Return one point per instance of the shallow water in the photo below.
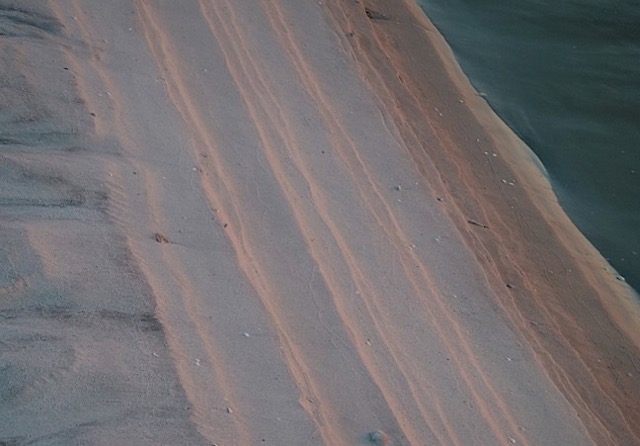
(565, 76)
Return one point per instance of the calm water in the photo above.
(565, 76)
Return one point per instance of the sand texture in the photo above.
(285, 222)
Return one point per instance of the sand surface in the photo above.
(286, 222)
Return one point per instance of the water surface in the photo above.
(565, 76)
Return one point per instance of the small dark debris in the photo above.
(475, 223)
(12, 441)
(350, 34)
(439, 199)
(510, 286)
(225, 225)
(160, 238)
(375, 15)
(92, 114)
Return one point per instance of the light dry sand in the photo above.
(284, 222)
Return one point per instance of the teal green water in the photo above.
(565, 76)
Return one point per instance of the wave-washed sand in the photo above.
(285, 222)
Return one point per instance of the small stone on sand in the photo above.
(378, 438)
(160, 238)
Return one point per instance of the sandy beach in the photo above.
(285, 222)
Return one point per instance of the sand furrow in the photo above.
(181, 98)
(387, 221)
(317, 99)
(321, 205)
(287, 138)
(479, 244)
(304, 376)
(361, 279)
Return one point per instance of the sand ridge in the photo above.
(264, 288)
(296, 191)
